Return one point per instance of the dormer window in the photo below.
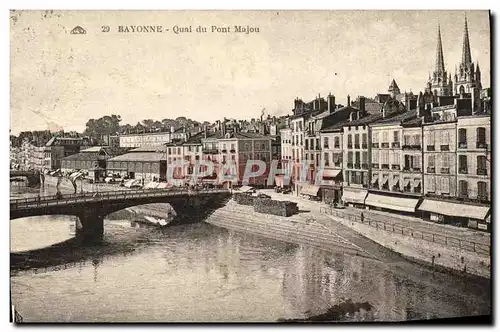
(228, 135)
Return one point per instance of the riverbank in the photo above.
(432, 254)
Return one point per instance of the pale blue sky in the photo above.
(67, 79)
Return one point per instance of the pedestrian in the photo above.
(362, 217)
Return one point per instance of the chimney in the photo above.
(331, 103)
(352, 116)
(362, 104)
(223, 129)
(474, 100)
(348, 100)
(172, 129)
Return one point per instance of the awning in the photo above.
(396, 179)
(455, 209)
(385, 178)
(406, 181)
(374, 178)
(416, 182)
(354, 196)
(392, 203)
(309, 189)
(331, 173)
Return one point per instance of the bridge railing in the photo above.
(105, 196)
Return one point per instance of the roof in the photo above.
(83, 156)
(139, 156)
(397, 117)
(393, 85)
(367, 119)
(93, 149)
(55, 138)
(155, 148)
(371, 105)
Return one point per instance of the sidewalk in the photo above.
(405, 221)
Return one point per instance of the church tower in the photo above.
(466, 78)
(438, 82)
(394, 89)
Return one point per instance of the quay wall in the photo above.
(424, 252)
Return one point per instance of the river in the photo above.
(203, 273)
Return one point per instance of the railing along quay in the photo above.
(448, 241)
(105, 196)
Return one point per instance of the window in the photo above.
(375, 137)
(385, 138)
(318, 144)
(325, 142)
(356, 141)
(462, 188)
(482, 190)
(364, 160)
(326, 157)
(396, 136)
(431, 164)
(431, 184)
(357, 160)
(349, 141)
(349, 158)
(445, 185)
(481, 137)
(336, 142)
(462, 138)
(462, 164)
(481, 165)
(431, 141)
(364, 141)
(307, 144)
(374, 157)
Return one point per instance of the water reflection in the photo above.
(203, 273)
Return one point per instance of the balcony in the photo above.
(232, 150)
(357, 165)
(336, 146)
(385, 166)
(375, 145)
(414, 147)
(431, 148)
(384, 145)
(395, 145)
(445, 170)
(396, 167)
(462, 170)
(337, 164)
(482, 171)
(326, 146)
(349, 165)
(364, 146)
(364, 166)
(482, 197)
(445, 147)
(431, 170)
(356, 146)
(481, 145)
(349, 146)
(224, 150)
(462, 145)
(375, 166)
(210, 151)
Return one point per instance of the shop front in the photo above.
(310, 190)
(473, 216)
(386, 202)
(331, 186)
(354, 197)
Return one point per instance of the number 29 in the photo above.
(105, 28)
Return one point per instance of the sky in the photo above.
(61, 80)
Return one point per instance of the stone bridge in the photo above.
(91, 208)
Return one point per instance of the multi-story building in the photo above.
(59, 147)
(331, 140)
(456, 180)
(286, 145)
(152, 139)
(395, 181)
(147, 163)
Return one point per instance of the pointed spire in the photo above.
(466, 57)
(439, 54)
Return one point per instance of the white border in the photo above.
(185, 4)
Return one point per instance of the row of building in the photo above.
(399, 151)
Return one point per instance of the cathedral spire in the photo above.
(439, 54)
(466, 57)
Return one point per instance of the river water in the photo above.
(202, 273)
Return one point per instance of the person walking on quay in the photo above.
(362, 217)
